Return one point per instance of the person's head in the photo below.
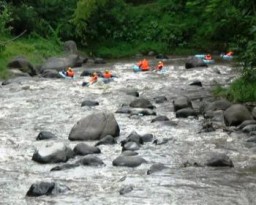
(106, 71)
(160, 62)
(94, 74)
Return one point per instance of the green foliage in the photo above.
(124, 49)
(239, 91)
(5, 19)
(36, 50)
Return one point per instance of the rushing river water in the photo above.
(31, 105)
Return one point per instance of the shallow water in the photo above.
(36, 104)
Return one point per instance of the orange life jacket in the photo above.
(107, 75)
(139, 64)
(70, 73)
(145, 65)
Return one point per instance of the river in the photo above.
(31, 105)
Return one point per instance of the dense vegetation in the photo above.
(119, 28)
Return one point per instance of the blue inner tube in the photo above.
(200, 56)
(208, 61)
(225, 57)
(136, 68)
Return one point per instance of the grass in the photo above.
(36, 50)
(241, 90)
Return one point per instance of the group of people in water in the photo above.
(107, 76)
(143, 65)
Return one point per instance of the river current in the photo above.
(31, 105)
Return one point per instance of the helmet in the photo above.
(94, 74)
(69, 68)
(107, 71)
(160, 62)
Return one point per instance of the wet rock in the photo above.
(124, 110)
(147, 138)
(161, 56)
(128, 161)
(160, 99)
(64, 167)
(236, 114)
(161, 141)
(207, 126)
(156, 168)
(186, 112)
(142, 112)
(181, 102)
(95, 127)
(160, 119)
(133, 93)
(99, 61)
(46, 188)
(89, 103)
(133, 137)
(45, 135)
(106, 140)
(216, 105)
(60, 63)
(129, 153)
(193, 62)
(23, 65)
(141, 103)
(6, 82)
(126, 189)
(70, 47)
(53, 154)
(254, 112)
(249, 128)
(130, 146)
(91, 161)
(50, 74)
(251, 139)
(219, 160)
(84, 149)
(245, 123)
(196, 83)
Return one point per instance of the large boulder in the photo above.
(46, 188)
(23, 65)
(186, 112)
(60, 63)
(53, 154)
(141, 103)
(128, 161)
(219, 160)
(70, 47)
(207, 109)
(236, 114)
(95, 127)
(50, 74)
(194, 62)
(84, 149)
(181, 102)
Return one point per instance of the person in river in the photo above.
(107, 74)
(144, 65)
(159, 66)
(70, 72)
(208, 57)
(230, 53)
(93, 79)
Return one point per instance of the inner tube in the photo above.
(136, 68)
